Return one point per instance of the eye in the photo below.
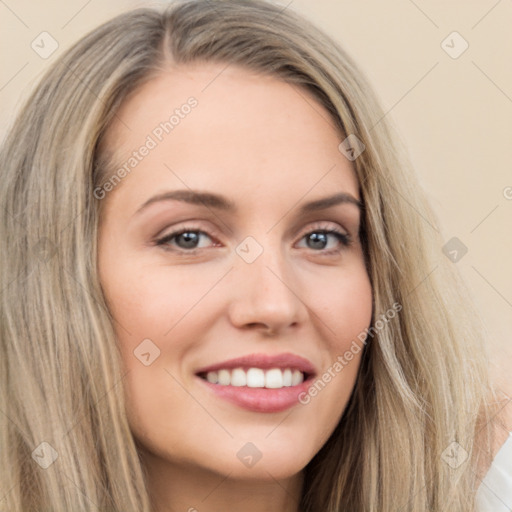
(327, 241)
(190, 238)
(187, 239)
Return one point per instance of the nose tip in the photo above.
(265, 298)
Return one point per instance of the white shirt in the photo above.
(495, 492)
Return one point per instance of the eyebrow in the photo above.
(219, 202)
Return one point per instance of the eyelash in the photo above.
(344, 238)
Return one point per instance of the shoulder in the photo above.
(495, 489)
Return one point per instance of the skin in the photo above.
(269, 148)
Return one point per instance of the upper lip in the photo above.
(264, 361)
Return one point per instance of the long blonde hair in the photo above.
(423, 381)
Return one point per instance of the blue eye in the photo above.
(319, 239)
(188, 240)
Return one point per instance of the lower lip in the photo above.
(260, 399)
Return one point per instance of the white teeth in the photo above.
(212, 377)
(255, 378)
(224, 377)
(238, 377)
(274, 378)
(297, 377)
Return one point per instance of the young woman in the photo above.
(216, 294)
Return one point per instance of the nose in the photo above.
(267, 295)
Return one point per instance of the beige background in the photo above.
(454, 114)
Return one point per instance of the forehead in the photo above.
(226, 128)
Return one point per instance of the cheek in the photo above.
(344, 304)
(153, 301)
(166, 306)
(343, 308)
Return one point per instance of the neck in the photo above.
(193, 489)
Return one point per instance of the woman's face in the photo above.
(226, 287)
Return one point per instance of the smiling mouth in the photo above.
(272, 378)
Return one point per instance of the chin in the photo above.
(265, 457)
